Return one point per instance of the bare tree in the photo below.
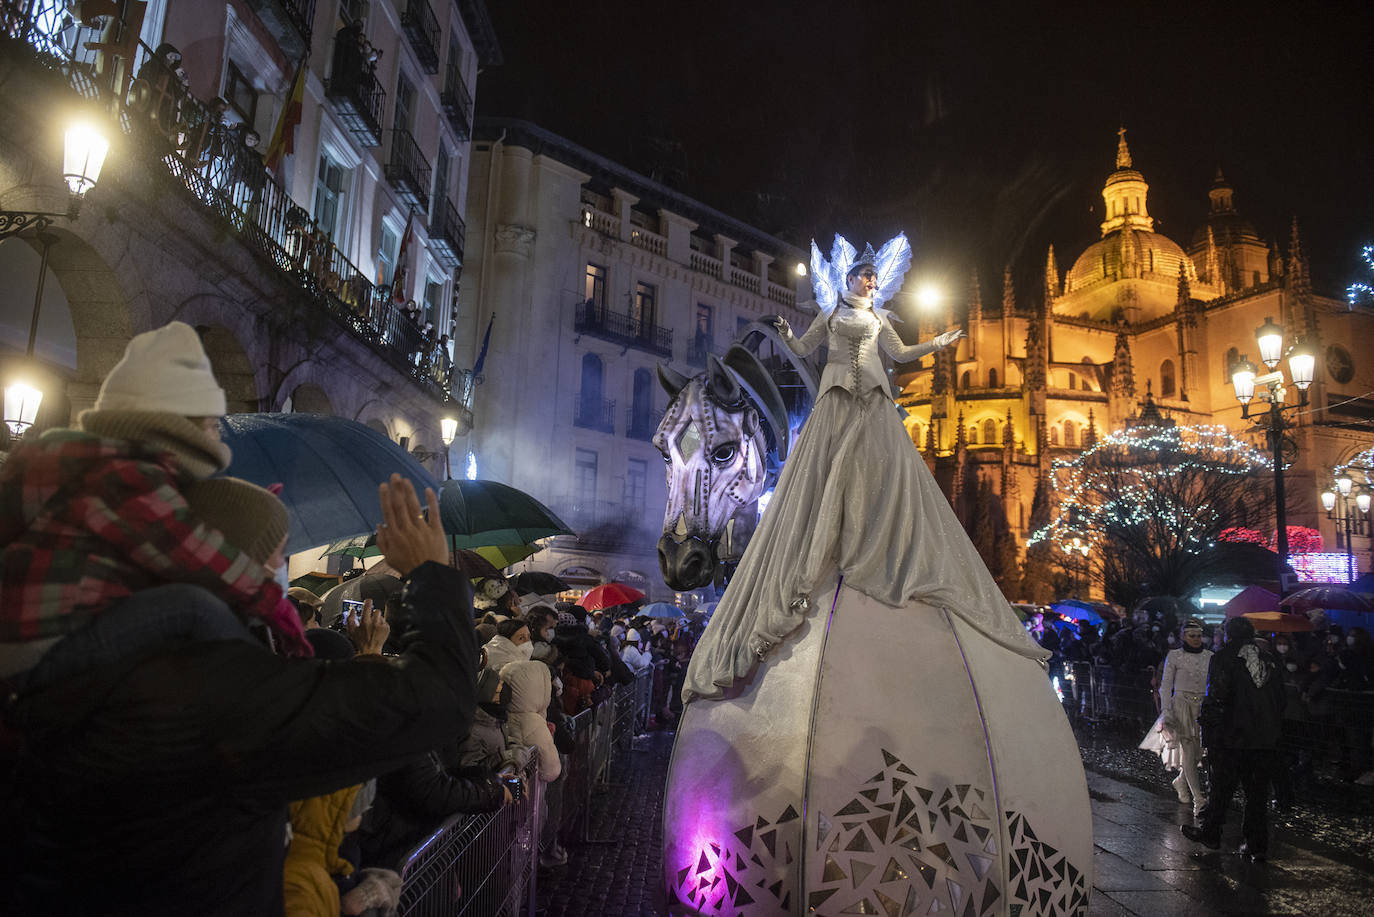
(1152, 502)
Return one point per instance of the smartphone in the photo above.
(352, 609)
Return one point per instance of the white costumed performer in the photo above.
(1175, 735)
(869, 729)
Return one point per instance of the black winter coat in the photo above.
(414, 799)
(157, 782)
(582, 653)
(1242, 710)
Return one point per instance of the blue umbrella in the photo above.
(1077, 611)
(329, 469)
(660, 610)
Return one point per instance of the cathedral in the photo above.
(1140, 328)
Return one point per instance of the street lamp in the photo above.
(84, 149)
(1350, 521)
(448, 431)
(21, 407)
(1076, 549)
(1301, 365)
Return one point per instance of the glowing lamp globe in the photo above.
(1328, 500)
(448, 429)
(1301, 365)
(801, 269)
(1362, 501)
(83, 156)
(1243, 379)
(21, 406)
(1270, 338)
(1345, 484)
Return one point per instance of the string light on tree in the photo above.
(1358, 291)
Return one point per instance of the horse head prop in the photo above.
(723, 437)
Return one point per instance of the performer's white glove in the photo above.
(949, 337)
(784, 329)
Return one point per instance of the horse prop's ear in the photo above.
(721, 383)
(671, 380)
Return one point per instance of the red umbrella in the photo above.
(1327, 597)
(609, 595)
(1266, 621)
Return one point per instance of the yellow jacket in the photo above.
(312, 860)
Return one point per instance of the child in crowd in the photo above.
(89, 516)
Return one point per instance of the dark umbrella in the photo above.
(329, 468)
(1180, 608)
(1328, 597)
(478, 513)
(484, 561)
(536, 582)
(377, 586)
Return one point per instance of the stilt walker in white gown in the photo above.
(868, 728)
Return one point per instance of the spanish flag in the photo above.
(284, 137)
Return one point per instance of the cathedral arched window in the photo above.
(992, 378)
(972, 435)
(1054, 436)
(1070, 433)
(1073, 381)
(990, 431)
(1167, 386)
(965, 380)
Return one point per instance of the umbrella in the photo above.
(329, 468)
(1327, 597)
(1077, 611)
(610, 595)
(661, 610)
(1363, 584)
(1277, 621)
(480, 513)
(1251, 599)
(536, 582)
(316, 582)
(1181, 609)
(493, 557)
(470, 563)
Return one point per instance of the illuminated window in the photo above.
(990, 431)
(1166, 379)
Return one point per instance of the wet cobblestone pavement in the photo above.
(1142, 865)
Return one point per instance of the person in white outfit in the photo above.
(632, 655)
(1176, 735)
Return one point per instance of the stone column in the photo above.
(678, 230)
(624, 201)
(761, 262)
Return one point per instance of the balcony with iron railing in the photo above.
(447, 233)
(603, 525)
(642, 424)
(456, 100)
(593, 413)
(595, 319)
(422, 30)
(288, 21)
(230, 185)
(357, 96)
(407, 169)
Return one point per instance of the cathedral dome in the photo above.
(1129, 253)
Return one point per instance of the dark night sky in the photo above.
(984, 129)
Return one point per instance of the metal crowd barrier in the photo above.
(486, 865)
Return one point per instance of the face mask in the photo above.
(1282, 647)
(1292, 666)
(1350, 641)
(548, 635)
(1173, 641)
(526, 650)
(281, 578)
(557, 684)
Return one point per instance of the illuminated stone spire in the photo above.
(1123, 152)
(1090, 434)
(1213, 264)
(1008, 293)
(1051, 277)
(975, 300)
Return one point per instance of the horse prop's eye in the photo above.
(724, 454)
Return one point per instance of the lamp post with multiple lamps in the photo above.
(1077, 551)
(83, 156)
(1301, 365)
(1337, 503)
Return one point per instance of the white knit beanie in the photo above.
(165, 369)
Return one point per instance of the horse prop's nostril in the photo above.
(686, 565)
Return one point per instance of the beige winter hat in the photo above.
(165, 369)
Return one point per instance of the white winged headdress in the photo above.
(828, 277)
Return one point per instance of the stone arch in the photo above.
(309, 398)
(990, 432)
(1167, 384)
(84, 298)
(234, 369)
(303, 373)
(376, 423)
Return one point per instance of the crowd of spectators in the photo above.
(1328, 676)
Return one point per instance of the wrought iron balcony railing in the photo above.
(289, 21)
(447, 233)
(595, 319)
(353, 88)
(642, 424)
(594, 414)
(456, 101)
(407, 169)
(422, 29)
(173, 133)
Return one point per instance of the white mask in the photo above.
(1350, 641)
(525, 649)
(548, 635)
(283, 580)
(1292, 666)
(1282, 647)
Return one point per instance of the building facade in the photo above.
(589, 276)
(285, 175)
(1139, 319)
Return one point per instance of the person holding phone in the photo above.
(182, 754)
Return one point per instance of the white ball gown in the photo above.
(891, 745)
